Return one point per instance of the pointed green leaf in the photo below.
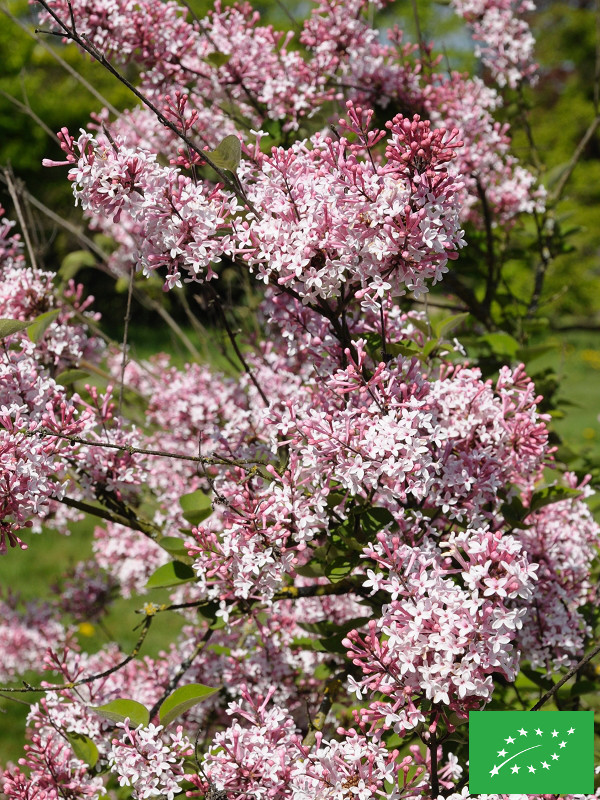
(10, 326)
(174, 546)
(339, 568)
(227, 154)
(312, 569)
(71, 375)
(502, 344)
(421, 325)
(74, 261)
(83, 747)
(552, 494)
(218, 59)
(375, 519)
(445, 326)
(406, 350)
(197, 506)
(184, 698)
(171, 574)
(429, 347)
(120, 710)
(38, 327)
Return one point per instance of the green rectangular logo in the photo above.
(531, 752)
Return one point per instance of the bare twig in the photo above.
(332, 686)
(544, 699)
(212, 460)
(27, 109)
(85, 44)
(125, 332)
(566, 175)
(82, 681)
(129, 521)
(14, 195)
(64, 64)
(183, 668)
(235, 346)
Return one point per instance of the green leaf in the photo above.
(71, 375)
(445, 326)
(39, 325)
(312, 569)
(10, 326)
(327, 628)
(374, 520)
(227, 154)
(502, 344)
(583, 687)
(339, 569)
(552, 494)
(74, 261)
(120, 710)
(83, 747)
(544, 683)
(335, 499)
(407, 350)
(174, 546)
(514, 513)
(422, 325)
(528, 354)
(218, 59)
(183, 698)
(171, 574)
(429, 347)
(197, 506)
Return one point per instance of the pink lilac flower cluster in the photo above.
(38, 414)
(217, 57)
(505, 42)
(52, 773)
(142, 760)
(563, 539)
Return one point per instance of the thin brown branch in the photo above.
(212, 460)
(25, 108)
(14, 195)
(82, 681)
(544, 699)
(129, 521)
(64, 64)
(235, 346)
(124, 345)
(85, 44)
(566, 175)
(183, 668)
(317, 724)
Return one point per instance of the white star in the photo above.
(531, 768)
(571, 730)
(510, 740)
(501, 753)
(554, 733)
(494, 771)
(562, 744)
(554, 756)
(515, 768)
(545, 764)
(538, 731)
(522, 732)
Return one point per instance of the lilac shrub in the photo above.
(358, 530)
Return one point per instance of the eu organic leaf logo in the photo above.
(524, 752)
